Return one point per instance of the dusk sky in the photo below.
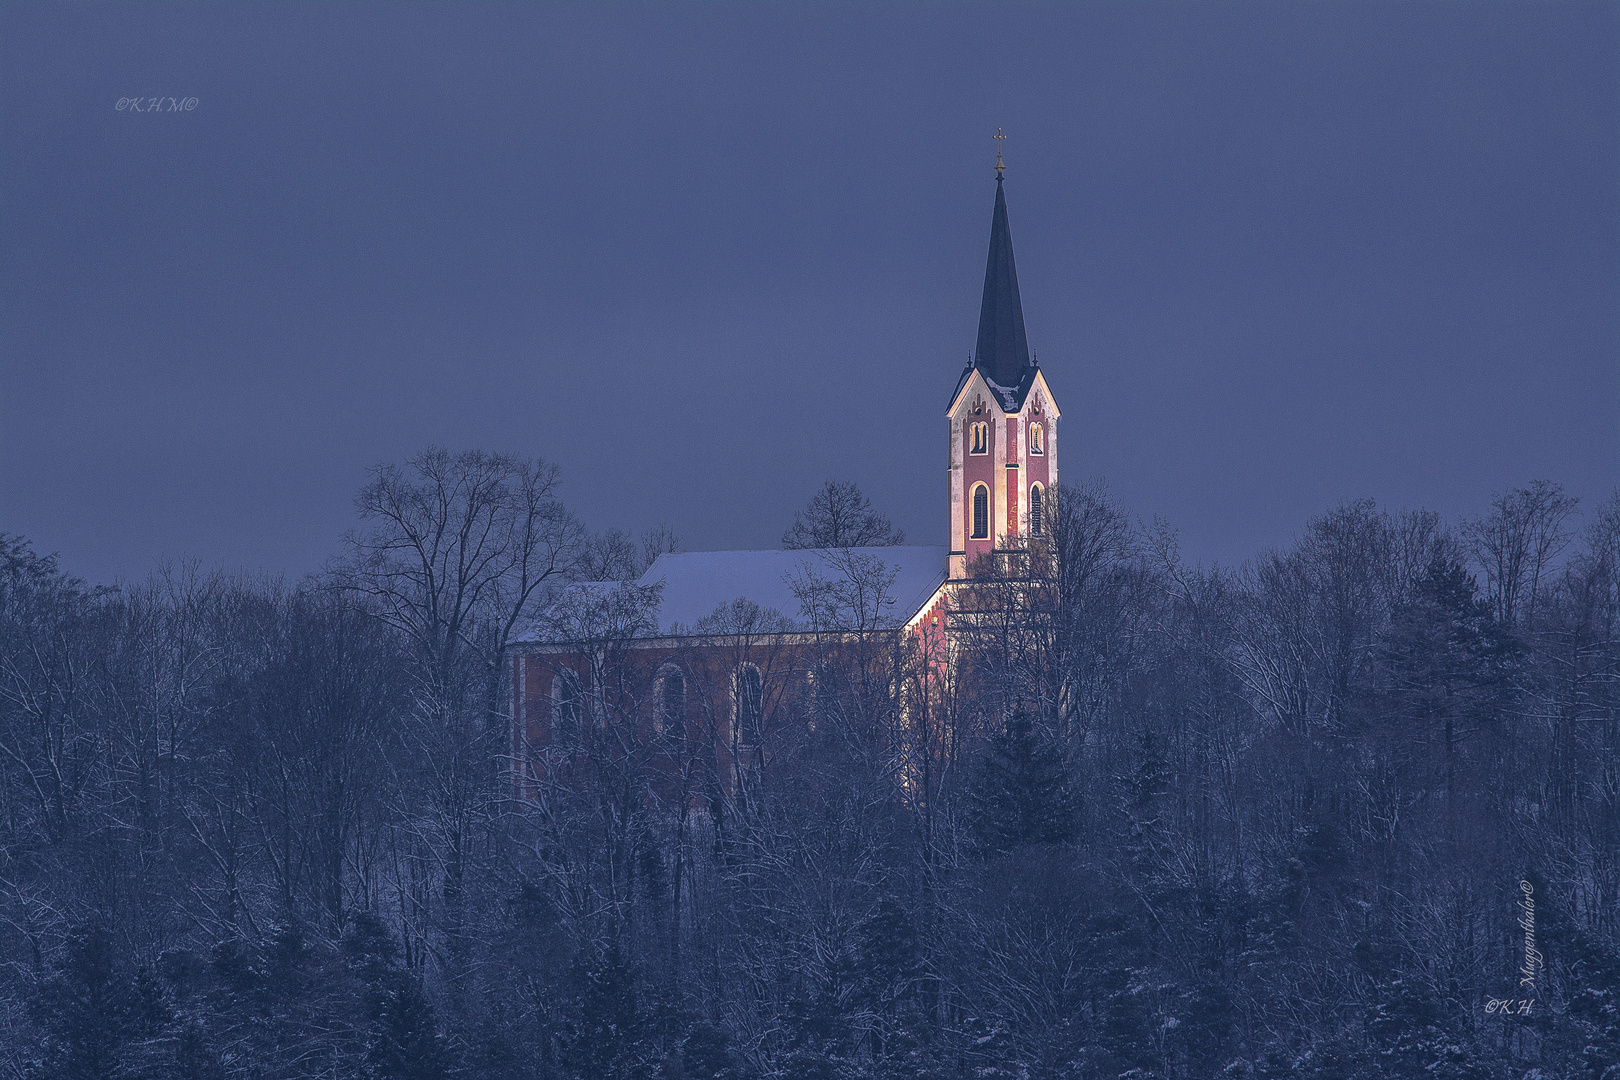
(705, 257)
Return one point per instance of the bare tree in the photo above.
(839, 516)
(844, 591)
(614, 556)
(461, 551)
(1312, 615)
(594, 830)
(247, 829)
(1044, 622)
(49, 738)
(462, 545)
(1516, 544)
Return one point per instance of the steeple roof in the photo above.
(1002, 354)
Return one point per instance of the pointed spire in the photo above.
(1003, 352)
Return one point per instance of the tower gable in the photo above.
(973, 388)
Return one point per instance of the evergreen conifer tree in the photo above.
(96, 1017)
(1023, 791)
(403, 1041)
(614, 1033)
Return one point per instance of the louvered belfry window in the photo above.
(981, 513)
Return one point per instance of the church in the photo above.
(711, 649)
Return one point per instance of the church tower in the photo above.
(1003, 451)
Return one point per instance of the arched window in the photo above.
(672, 704)
(748, 693)
(1037, 439)
(567, 708)
(981, 512)
(1035, 509)
(979, 438)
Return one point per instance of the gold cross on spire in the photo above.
(1000, 168)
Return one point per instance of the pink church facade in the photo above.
(701, 680)
(1001, 467)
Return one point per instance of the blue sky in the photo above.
(708, 256)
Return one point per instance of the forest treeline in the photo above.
(1349, 811)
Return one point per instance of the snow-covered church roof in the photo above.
(698, 584)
